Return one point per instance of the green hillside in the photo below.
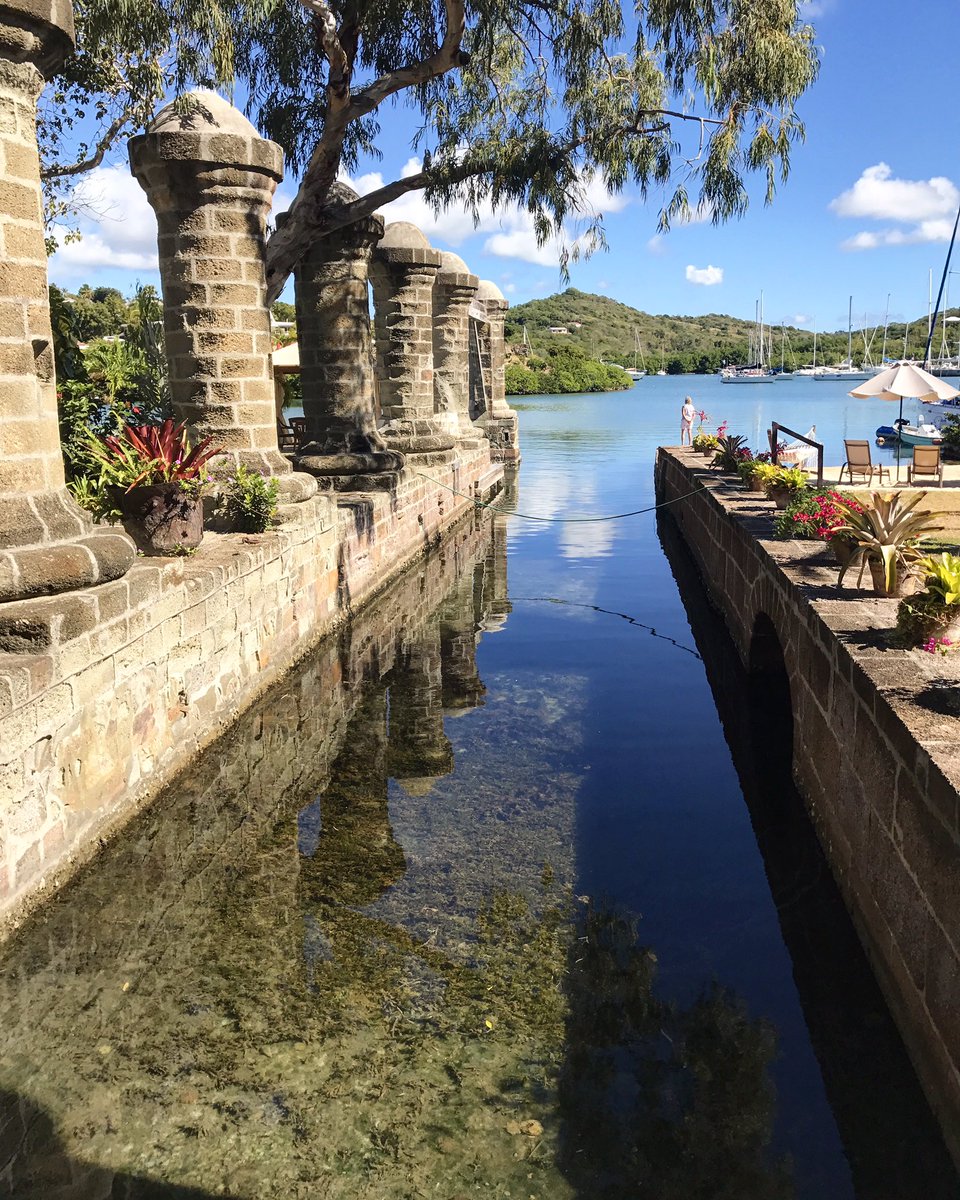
(608, 330)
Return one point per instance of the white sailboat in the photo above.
(846, 370)
(636, 372)
(759, 372)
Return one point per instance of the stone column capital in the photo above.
(39, 32)
(214, 142)
(403, 245)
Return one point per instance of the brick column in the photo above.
(210, 178)
(403, 271)
(336, 366)
(453, 292)
(488, 364)
(419, 751)
(47, 544)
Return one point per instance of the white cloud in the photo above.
(706, 276)
(509, 289)
(603, 285)
(922, 208)
(510, 229)
(656, 245)
(116, 222)
(799, 319)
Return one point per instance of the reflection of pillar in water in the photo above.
(462, 686)
(348, 852)
(494, 605)
(419, 750)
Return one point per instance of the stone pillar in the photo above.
(403, 272)
(453, 293)
(336, 367)
(488, 387)
(419, 751)
(210, 178)
(47, 544)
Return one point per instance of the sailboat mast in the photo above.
(761, 330)
(886, 318)
(850, 332)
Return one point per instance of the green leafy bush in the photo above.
(251, 501)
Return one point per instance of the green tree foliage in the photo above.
(566, 368)
(508, 100)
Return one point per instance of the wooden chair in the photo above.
(286, 437)
(859, 461)
(299, 427)
(926, 461)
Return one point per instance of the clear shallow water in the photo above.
(490, 897)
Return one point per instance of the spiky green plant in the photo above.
(886, 531)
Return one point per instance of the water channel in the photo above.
(504, 892)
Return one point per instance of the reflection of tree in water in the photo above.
(670, 1103)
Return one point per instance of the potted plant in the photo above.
(784, 484)
(754, 472)
(886, 532)
(732, 450)
(931, 618)
(156, 479)
(706, 443)
(819, 516)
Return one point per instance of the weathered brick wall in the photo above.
(105, 693)
(880, 770)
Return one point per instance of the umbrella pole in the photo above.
(899, 439)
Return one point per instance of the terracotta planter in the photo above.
(163, 518)
(756, 484)
(842, 551)
(908, 583)
(780, 496)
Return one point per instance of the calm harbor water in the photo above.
(504, 892)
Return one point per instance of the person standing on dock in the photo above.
(688, 414)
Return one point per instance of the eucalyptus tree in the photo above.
(506, 101)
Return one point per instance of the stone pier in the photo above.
(403, 273)
(210, 178)
(47, 544)
(488, 383)
(874, 733)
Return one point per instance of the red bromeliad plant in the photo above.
(145, 455)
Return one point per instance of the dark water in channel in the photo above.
(490, 897)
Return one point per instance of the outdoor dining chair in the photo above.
(286, 437)
(926, 461)
(859, 462)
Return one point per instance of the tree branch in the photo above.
(306, 215)
(56, 171)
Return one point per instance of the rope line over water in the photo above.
(610, 612)
(509, 512)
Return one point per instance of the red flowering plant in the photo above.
(816, 516)
(145, 455)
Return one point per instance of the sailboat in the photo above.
(846, 370)
(759, 372)
(635, 372)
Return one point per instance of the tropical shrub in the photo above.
(787, 479)
(886, 532)
(143, 455)
(732, 450)
(921, 618)
(815, 515)
(251, 500)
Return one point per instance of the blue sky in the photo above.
(866, 212)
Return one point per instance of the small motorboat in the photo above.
(923, 434)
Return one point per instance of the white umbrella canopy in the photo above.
(904, 380)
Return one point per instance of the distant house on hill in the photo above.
(557, 329)
(576, 324)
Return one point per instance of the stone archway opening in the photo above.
(771, 704)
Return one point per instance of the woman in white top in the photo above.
(687, 416)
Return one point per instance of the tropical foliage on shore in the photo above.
(563, 369)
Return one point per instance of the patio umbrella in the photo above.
(904, 379)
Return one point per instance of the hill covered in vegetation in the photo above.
(613, 332)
